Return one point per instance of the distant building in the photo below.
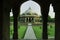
(29, 17)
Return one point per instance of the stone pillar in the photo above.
(6, 25)
(28, 19)
(1, 20)
(16, 11)
(31, 20)
(57, 24)
(57, 19)
(25, 20)
(34, 20)
(6, 21)
(44, 11)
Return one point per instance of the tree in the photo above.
(11, 18)
(50, 19)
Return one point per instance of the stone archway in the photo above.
(7, 5)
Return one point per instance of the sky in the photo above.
(35, 7)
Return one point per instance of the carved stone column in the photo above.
(1, 20)
(34, 20)
(25, 20)
(16, 11)
(6, 21)
(57, 18)
(28, 19)
(44, 11)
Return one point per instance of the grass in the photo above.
(51, 31)
(11, 31)
(21, 31)
(38, 31)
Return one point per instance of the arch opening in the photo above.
(30, 12)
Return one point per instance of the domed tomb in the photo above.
(29, 16)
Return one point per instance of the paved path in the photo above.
(30, 33)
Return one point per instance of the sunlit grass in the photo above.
(51, 30)
(21, 31)
(38, 31)
(11, 31)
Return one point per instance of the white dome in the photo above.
(29, 12)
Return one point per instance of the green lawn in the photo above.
(38, 31)
(51, 30)
(11, 31)
(21, 31)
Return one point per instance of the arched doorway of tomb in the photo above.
(31, 13)
(30, 19)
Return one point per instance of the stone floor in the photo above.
(30, 33)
